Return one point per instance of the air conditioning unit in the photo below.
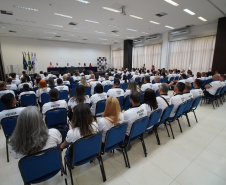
(138, 40)
(180, 32)
(153, 37)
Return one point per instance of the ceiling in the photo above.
(37, 24)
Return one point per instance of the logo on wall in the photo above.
(102, 63)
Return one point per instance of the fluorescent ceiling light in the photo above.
(116, 35)
(131, 29)
(203, 19)
(169, 27)
(63, 15)
(92, 21)
(83, 1)
(111, 9)
(130, 37)
(64, 39)
(71, 35)
(50, 32)
(189, 11)
(100, 32)
(105, 43)
(55, 25)
(46, 37)
(102, 39)
(2, 27)
(136, 17)
(172, 2)
(25, 8)
(146, 33)
(154, 22)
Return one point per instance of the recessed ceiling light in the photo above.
(92, 21)
(55, 25)
(169, 27)
(75, 28)
(130, 37)
(203, 19)
(50, 32)
(102, 39)
(131, 29)
(146, 33)
(100, 32)
(172, 2)
(105, 43)
(136, 17)
(25, 8)
(116, 35)
(189, 11)
(64, 39)
(154, 22)
(83, 1)
(63, 15)
(71, 35)
(111, 9)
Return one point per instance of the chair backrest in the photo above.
(2, 106)
(74, 86)
(107, 87)
(188, 105)
(177, 78)
(85, 149)
(45, 98)
(138, 127)
(41, 166)
(35, 89)
(63, 95)
(153, 82)
(8, 125)
(114, 137)
(223, 90)
(72, 92)
(88, 91)
(137, 80)
(127, 103)
(157, 93)
(166, 113)
(100, 107)
(196, 102)
(125, 86)
(56, 117)
(180, 110)
(141, 98)
(171, 79)
(28, 99)
(154, 119)
(165, 80)
(121, 100)
(218, 91)
(129, 76)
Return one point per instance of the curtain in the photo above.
(117, 58)
(194, 54)
(148, 55)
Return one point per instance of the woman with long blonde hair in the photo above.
(131, 87)
(84, 82)
(111, 116)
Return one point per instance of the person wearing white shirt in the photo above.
(3, 89)
(183, 80)
(26, 91)
(155, 86)
(79, 65)
(116, 91)
(24, 81)
(222, 80)
(82, 125)
(15, 80)
(187, 94)
(150, 101)
(54, 103)
(57, 65)
(136, 112)
(211, 89)
(112, 115)
(94, 83)
(42, 89)
(107, 81)
(178, 98)
(60, 86)
(197, 91)
(163, 100)
(135, 76)
(147, 84)
(190, 79)
(131, 87)
(100, 95)
(10, 103)
(10, 86)
(65, 81)
(170, 75)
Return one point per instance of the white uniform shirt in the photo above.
(170, 76)
(176, 101)
(222, 83)
(94, 99)
(156, 86)
(25, 92)
(12, 87)
(127, 93)
(214, 87)
(54, 105)
(93, 85)
(146, 86)
(162, 103)
(149, 110)
(39, 92)
(183, 81)
(107, 82)
(21, 85)
(134, 114)
(188, 96)
(190, 80)
(196, 93)
(66, 82)
(72, 104)
(2, 92)
(111, 78)
(16, 81)
(74, 134)
(11, 112)
(135, 76)
(62, 88)
(104, 125)
(115, 92)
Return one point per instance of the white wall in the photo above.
(51, 51)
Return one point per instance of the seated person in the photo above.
(54, 103)
(101, 77)
(187, 94)
(150, 101)
(147, 84)
(60, 86)
(24, 81)
(116, 91)
(42, 89)
(3, 89)
(131, 87)
(136, 112)
(15, 80)
(124, 79)
(178, 98)
(10, 86)
(197, 91)
(37, 80)
(212, 88)
(106, 81)
(65, 81)
(190, 78)
(163, 100)
(135, 75)
(51, 83)
(155, 86)
(112, 115)
(46, 76)
(222, 80)
(26, 91)
(100, 95)
(82, 125)
(51, 65)
(83, 82)
(94, 83)
(31, 134)
(10, 103)
(183, 80)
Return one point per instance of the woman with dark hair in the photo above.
(51, 83)
(150, 101)
(26, 91)
(79, 97)
(37, 80)
(124, 79)
(31, 134)
(82, 124)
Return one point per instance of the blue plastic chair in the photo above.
(8, 126)
(129, 76)
(179, 113)
(125, 86)
(187, 109)
(100, 107)
(107, 87)
(41, 166)
(176, 78)
(127, 104)
(72, 92)
(121, 100)
(153, 123)
(141, 98)
(63, 95)
(195, 105)
(2, 106)
(222, 92)
(164, 80)
(137, 80)
(115, 139)
(73, 86)
(214, 98)
(45, 98)
(171, 79)
(28, 99)
(56, 117)
(35, 89)
(88, 91)
(84, 151)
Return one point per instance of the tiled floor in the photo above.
(195, 157)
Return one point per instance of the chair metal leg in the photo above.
(7, 150)
(124, 156)
(186, 114)
(143, 144)
(102, 167)
(213, 104)
(167, 129)
(179, 125)
(156, 135)
(195, 116)
(128, 163)
(69, 169)
(171, 130)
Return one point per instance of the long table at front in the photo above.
(63, 70)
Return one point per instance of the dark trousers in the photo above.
(206, 93)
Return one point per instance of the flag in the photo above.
(32, 62)
(24, 61)
(29, 62)
(35, 62)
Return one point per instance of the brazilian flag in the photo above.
(29, 62)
